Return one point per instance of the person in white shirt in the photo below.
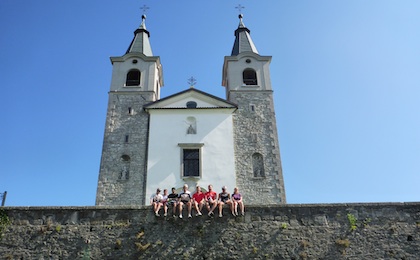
(156, 201)
(185, 198)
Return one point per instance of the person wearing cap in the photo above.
(211, 201)
(198, 200)
(224, 198)
(184, 198)
(156, 201)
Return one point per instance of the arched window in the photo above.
(191, 104)
(124, 173)
(250, 77)
(258, 165)
(192, 125)
(133, 78)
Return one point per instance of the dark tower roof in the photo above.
(243, 41)
(140, 42)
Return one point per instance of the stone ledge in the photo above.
(292, 231)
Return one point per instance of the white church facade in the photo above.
(190, 137)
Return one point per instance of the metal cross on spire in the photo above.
(144, 8)
(240, 7)
(192, 81)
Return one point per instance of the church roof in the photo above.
(140, 42)
(243, 41)
(202, 100)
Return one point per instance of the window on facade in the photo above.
(191, 104)
(192, 125)
(124, 173)
(258, 165)
(250, 77)
(191, 162)
(125, 158)
(126, 139)
(252, 107)
(133, 78)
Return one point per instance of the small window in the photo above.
(124, 173)
(191, 162)
(191, 104)
(133, 78)
(126, 138)
(130, 111)
(250, 77)
(192, 125)
(252, 108)
(125, 158)
(258, 165)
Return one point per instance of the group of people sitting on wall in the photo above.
(198, 200)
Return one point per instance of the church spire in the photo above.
(140, 42)
(243, 41)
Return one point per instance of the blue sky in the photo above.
(345, 74)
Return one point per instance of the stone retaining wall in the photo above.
(320, 231)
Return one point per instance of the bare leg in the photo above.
(214, 206)
(158, 208)
(197, 209)
(189, 208)
(201, 205)
(174, 206)
(241, 204)
(231, 207)
(180, 209)
(220, 208)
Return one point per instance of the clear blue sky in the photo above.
(346, 76)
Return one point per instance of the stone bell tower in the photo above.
(136, 80)
(246, 77)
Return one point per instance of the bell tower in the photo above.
(246, 77)
(136, 80)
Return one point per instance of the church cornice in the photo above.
(135, 55)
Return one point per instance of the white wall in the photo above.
(169, 127)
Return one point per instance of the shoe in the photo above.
(242, 213)
(180, 216)
(157, 214)
(165, 215)
(198, 214)
(209, 214)
(220, 215)
(189, 216)
(233, 213)
(174, 216)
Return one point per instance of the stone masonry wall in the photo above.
(256, 132)
(123, 163)
(324, 231)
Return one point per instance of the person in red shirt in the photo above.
(198, 200)
(211, 200)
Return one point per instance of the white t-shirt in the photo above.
(156, 197)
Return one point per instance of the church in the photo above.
(190, 137)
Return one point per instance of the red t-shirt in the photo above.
(198, 196)
(210, 194)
